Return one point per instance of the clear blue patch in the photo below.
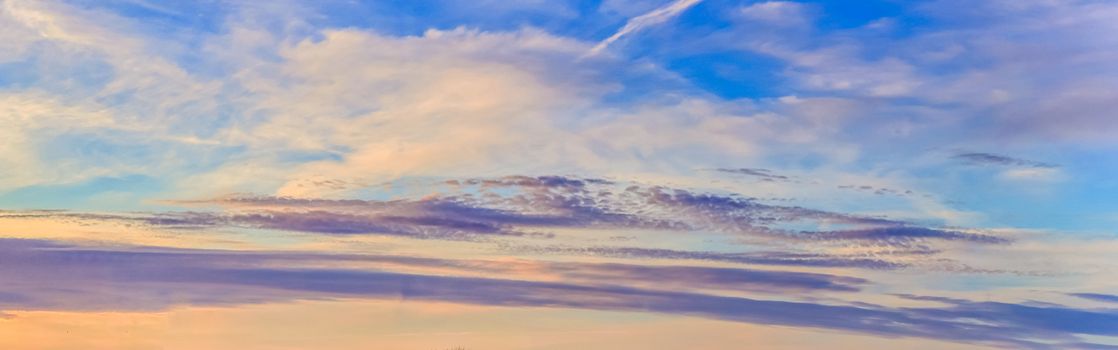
(101, 194)
(18, 75)
(732, 74)
(100, 150)
(707, 15)
(51, 68)
(306, 157)
(843, 14)
(203, 15)
(415, 17)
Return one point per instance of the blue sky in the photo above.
(934, 159)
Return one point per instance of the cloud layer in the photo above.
(932, 170)
(151, 279)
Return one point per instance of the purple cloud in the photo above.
(902, 235)
(492, 210)
(44, 275)
(977, 158)
(1097, 297)
(763, 174)
(752, 258)
(527, 203)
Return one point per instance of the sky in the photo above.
(530, 174)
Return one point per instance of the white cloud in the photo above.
(466, 103)
(1033, 174)
(780, 13)
(94, 78)
(657, 16)
(29, 119)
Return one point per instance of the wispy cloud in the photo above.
(1097, 297)
(764, 174)
(781, 13)
(978, 158)
(657, 16)
(799, 259)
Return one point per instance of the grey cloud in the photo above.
(1097, 297)
(763, 174)
(1000, 160)
(901, 235)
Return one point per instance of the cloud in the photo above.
(976, 158)
(751, 258)
(543, 182)
(684, 277)
(959, 68)
(69, 277)
(266, 102)
(532, 215)
(657, 16)
(139, 264)
(780, 13)
(529, 106)
(904, 234)
(475, 229)
(520, 205)
(577, 217)
(764, 174)
(1097, 297)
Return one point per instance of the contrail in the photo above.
(654, 17)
